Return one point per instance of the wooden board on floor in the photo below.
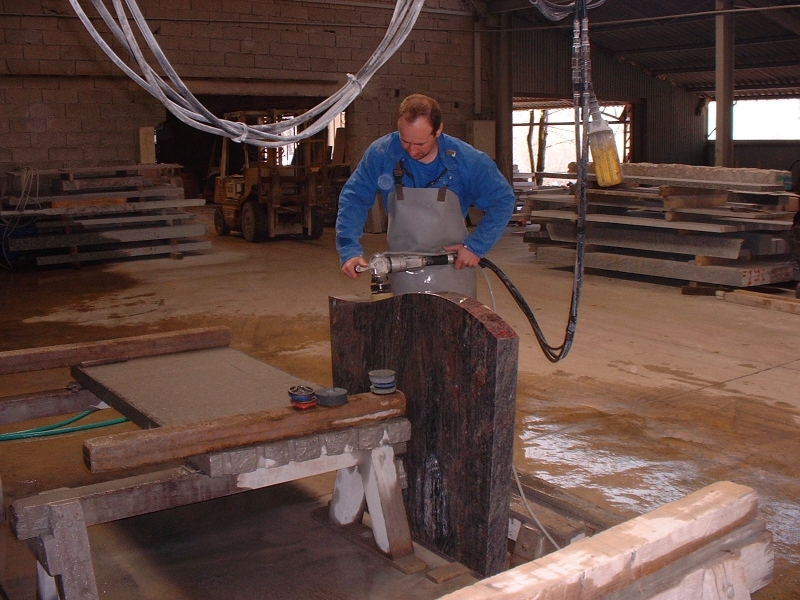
(719, 520)
(759, 300)
(67, 355)
(456, 361)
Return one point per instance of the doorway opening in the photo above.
(544, 137)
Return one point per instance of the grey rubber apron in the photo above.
(423, 221)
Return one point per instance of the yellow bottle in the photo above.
(604, 153)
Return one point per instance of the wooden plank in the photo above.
(46, 404)
(107, 201)
(151, 192)
(658, 241)
(106, 221)
(164, 444)
(153, 250)
(149, 205)
(42, 242)
(750, 547)
(759, 300)
(121, 498)
(95, 183)
(67, 355)
(562, 500)
(639, 221)
(612, 559)
(460, 381)
(745, 275)
(708, 173)
(162, 168)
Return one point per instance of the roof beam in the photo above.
(793, 87)
(781, 17)
(712, 68)
(705, 46)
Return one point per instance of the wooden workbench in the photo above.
(213, 394)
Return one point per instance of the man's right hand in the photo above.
(349, 267)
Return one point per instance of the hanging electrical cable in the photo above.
(582, 91)
(184, 105)
(555, 11)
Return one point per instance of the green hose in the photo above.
(58, 428)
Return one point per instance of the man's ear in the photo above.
(441, 127)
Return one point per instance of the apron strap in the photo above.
(398, 180)
(441, 194)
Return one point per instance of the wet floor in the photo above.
(660, 395)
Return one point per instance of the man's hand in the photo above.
(349, 267)
(465, 258)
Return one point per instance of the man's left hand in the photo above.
(464, 257)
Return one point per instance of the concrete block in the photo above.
(56, 67)
(195, 44)
(47, 139)
(274, 455)
(65, 154)
(293, 10)
(21, 66)
(339, 442)
(82, 139)
(297, 38)
(278, 50)
(239, 60)
(370, 437)
(338, 53)
(306, 448)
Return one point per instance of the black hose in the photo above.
(553, 353)
(582, 89)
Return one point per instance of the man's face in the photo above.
(418, 139)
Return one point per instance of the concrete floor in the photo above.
(661, 394)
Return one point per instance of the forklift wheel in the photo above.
(317, 223)
(253, 221)
(220, 226)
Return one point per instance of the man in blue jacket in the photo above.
(427, 181)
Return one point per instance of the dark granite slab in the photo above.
(456, 362)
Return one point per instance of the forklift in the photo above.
(269, 192)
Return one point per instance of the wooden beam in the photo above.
(613, 559)
(67, 355)
(46, 404)
(724, 83)
(164, 444)
(759, 300)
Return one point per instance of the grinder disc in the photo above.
(331, 396)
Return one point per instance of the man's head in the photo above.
(419, 122)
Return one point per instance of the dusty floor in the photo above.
(661, 395)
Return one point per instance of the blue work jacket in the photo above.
(471, 175)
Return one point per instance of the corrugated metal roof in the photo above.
(674, 40)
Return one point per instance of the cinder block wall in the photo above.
(63, 103)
